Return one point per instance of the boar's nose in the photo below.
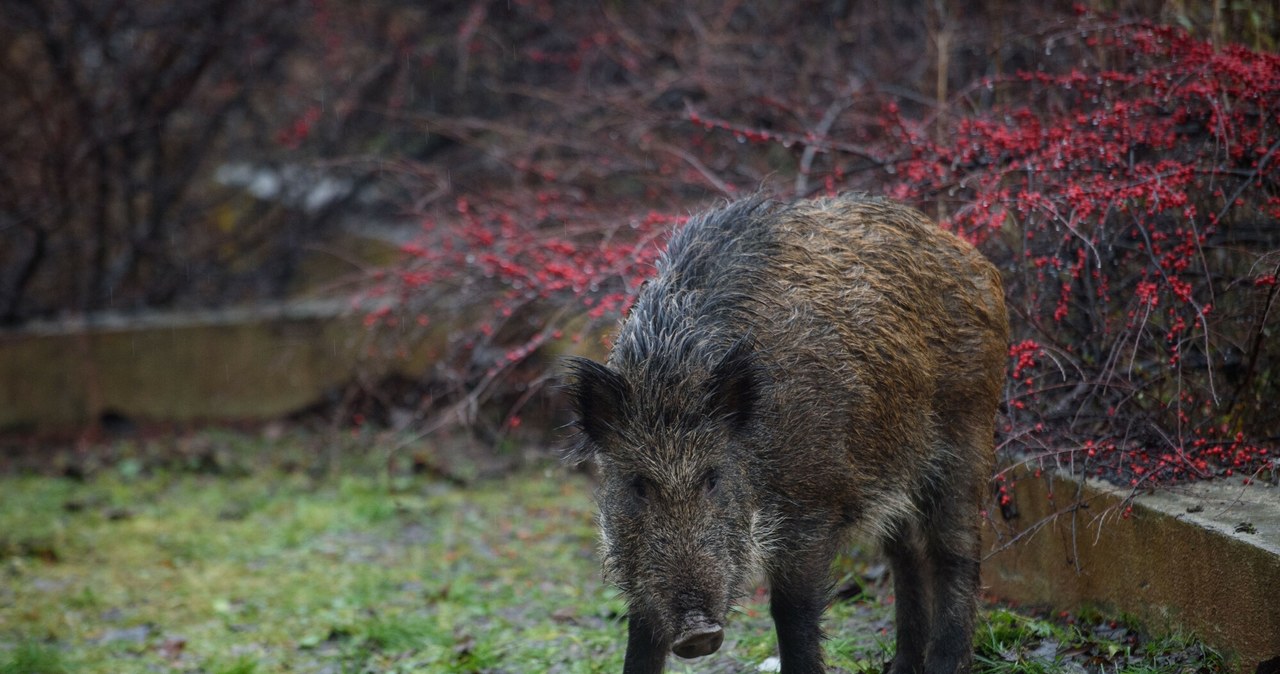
(704, 639)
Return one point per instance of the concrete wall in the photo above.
(1203, 558)
(240, 364)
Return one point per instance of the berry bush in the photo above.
(1134, 210)
(1122, 175)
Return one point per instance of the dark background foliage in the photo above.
(1116, 159)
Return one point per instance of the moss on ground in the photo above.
(236, 558)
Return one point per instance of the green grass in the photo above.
(170, 569)
(252, 565)
(29, 657)
(1089, 641)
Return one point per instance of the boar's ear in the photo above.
(733, 388)
(599, 396)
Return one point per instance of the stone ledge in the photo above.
(1203, 557)
(237, 364)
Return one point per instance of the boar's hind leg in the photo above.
(912, 590)
(955, 549)
(646, 654)
(798, 595)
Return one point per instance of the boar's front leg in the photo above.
(912, 580)
(646, 654)
(798, 595)
(955, 548)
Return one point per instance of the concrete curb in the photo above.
(240, 364)
(1203, 557)
(255, 363)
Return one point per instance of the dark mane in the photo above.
(700, 303)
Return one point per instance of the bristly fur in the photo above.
(795, 372)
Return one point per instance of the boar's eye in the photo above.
(710, 481)
(639, 488)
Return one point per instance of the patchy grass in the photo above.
(1011, 642)
(244, 560)
(29, 657)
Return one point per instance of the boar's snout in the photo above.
(700, 637)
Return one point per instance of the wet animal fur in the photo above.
(793, 373)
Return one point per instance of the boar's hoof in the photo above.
(702, 640)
